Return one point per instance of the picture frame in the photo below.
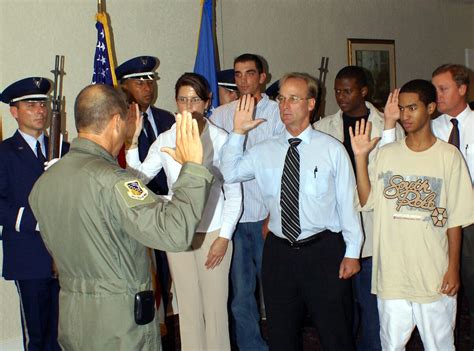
(376, 56)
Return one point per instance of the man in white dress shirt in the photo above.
(248, 238)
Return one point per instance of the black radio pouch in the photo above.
(144, 309)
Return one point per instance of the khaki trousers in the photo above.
(202, 295)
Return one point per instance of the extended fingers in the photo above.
(368, 128)
(246, 103)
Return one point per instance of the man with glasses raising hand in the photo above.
(308, 185)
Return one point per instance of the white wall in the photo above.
(290, 34)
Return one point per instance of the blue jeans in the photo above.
(366, 306)
(246, 267)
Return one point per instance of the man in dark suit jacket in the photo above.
(25, 258)
(138, 80)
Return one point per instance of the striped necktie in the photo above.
(290, 188)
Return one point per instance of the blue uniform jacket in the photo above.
(163, 120)
(24, 253)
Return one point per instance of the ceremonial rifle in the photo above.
(55, 127)
(323, 70)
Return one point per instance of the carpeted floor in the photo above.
(171, 341)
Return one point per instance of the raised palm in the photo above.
(243, 117)
(391, 111)
(360, 138)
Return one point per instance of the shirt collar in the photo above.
(149, 112)
(462, 116)
(31, 140)
(305, 135)
(263, 101)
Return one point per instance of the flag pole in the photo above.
(99, 6)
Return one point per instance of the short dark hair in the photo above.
(425, 90)
(460, 73)
(311, 82)
(95, 105)
(251, 57)
(195, 81)
(353, 72)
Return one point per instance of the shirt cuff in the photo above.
(352, 251)
(18, 219)
(388, 136)
(226, 231)
(197, 170)
(236, 139)
(132, 157)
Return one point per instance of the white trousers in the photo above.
(435, 322)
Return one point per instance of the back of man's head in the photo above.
(353, 72)
(459, 73)
(251, 57)
(425, 90)
(95, 105)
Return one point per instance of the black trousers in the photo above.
(468, 274)
(306, 279)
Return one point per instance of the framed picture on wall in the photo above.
(378, 58)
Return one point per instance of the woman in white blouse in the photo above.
(200, 274)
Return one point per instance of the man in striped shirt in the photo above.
(248, 237)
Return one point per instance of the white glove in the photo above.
(48, 164)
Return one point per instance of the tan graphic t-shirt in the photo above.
(416, 197)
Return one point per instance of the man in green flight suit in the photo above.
(97, 220)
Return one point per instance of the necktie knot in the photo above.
(454, 121)
(294, 142)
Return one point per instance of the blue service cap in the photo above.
(32, 88)
(140, 67)
(273, 90)
(226, 79)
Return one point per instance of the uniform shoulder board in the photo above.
(134, 193)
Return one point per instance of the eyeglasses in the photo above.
(292, 99)
(183, 100)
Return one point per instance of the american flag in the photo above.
(103, 63)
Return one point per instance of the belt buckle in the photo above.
(295, 245)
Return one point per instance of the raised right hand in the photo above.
(391, 112)
(243, 117)
(134, 125)
(188, 141)
(360, 138)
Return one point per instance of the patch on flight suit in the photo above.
(134, 193)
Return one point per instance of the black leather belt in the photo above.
(313, 239)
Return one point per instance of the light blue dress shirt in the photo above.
(223, 117)
(327, 183)
(31, 141)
